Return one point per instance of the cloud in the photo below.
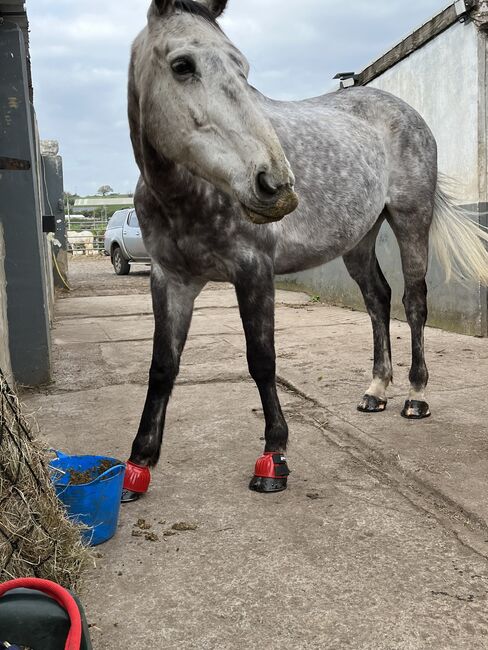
(80, 53)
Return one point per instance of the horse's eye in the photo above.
(183, 66)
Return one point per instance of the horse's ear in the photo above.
(162, 7)
(217, 7)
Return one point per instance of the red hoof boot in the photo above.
(136, 482)
(271, 473)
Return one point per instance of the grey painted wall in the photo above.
(445, 82)
(27, 262)
(57, 243)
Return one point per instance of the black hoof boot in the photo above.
(415, 409)
(372, 404)
(271, 473)
(262, 484)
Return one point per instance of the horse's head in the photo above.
(195, 108)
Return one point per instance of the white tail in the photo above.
(457, 240)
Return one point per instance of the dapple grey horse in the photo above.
(221, 167)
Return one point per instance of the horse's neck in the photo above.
(180, 194)
(172, 185)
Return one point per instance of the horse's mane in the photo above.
(196, 8)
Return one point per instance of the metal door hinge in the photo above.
(14, 164)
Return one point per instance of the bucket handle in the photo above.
(59, 454)
(108, 473)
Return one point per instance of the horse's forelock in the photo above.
(195, 8)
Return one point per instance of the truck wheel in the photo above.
(121, 265)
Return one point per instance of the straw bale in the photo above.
(36, 538)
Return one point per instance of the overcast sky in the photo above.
(80, 53)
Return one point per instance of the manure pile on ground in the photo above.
(36, 538)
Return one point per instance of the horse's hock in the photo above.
(36, 539)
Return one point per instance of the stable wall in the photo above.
(445, 82)
(56, 243)
(28, 268)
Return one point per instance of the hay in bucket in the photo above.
(36, 538)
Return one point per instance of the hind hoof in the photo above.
(415, 410)
(372, 404)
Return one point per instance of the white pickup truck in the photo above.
(123, 242)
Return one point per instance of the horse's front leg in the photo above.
(173, 299)
(255, 294)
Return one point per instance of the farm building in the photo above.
(106, 204)
(441, 70)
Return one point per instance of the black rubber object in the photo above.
(267, 485)
(128, 496)
(120, 264)
(33, 619)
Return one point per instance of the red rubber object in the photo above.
(271, 473)
(137, 478)
(61, 596)
(265, 465)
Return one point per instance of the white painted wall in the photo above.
(441, 81)
(444, 83)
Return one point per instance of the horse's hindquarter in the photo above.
(341, 148)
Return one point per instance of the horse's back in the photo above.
(350, 151)
(352, 109)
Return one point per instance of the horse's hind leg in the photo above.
(411, 229)
(363, 267)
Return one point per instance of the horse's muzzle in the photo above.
(286, 201)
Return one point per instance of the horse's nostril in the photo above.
(265, 185)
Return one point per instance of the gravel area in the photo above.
(90, 276)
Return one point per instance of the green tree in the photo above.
(104, 190)
(69, 201)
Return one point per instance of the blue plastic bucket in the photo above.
(95, 501)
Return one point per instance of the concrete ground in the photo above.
(380, 541)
